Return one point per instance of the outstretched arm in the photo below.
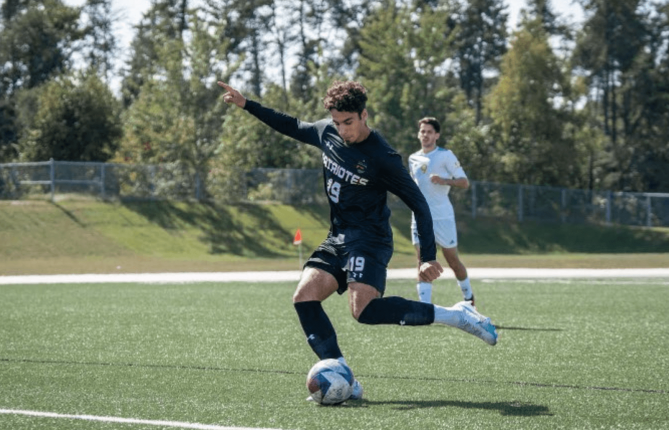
(281, 122)
(232, 95)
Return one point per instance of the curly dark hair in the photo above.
(432, 121)
(349, 96)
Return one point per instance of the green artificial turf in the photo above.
(572, 354)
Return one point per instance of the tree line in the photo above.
(547, 103)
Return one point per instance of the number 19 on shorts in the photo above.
(355, 267)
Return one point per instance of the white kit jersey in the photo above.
(443, 163)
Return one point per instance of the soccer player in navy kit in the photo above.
(359, 168)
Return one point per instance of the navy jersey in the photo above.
(357, 178)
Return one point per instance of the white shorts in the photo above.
(445, 233)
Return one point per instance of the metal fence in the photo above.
(109, 181)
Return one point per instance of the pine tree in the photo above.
(480, 47)
(528, 106)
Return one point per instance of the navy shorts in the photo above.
(361, 260)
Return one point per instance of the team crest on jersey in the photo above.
(361, 166)
(423, 168)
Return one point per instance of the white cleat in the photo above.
(474, 323)
(357, 391)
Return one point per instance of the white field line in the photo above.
(176, 424)
(294, 276)
(584, 281)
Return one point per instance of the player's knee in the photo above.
(356, 309)
(297, 296)
(355, 313)
(360, 296)
(315, 285)
(304, 294)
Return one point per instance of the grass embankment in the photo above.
(92, 237)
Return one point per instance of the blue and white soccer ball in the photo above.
(330, 382)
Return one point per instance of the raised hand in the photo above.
(232, 95)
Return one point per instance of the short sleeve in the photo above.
(452, 166)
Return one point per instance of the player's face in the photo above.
(352, 127)
(427, 136)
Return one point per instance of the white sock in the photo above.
(447, 316)
(424, 292)
(466, 288)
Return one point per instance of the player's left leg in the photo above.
(366, 285)
(369, 308)
(460, 272)
(366, 277)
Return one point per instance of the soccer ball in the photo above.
(330, 382)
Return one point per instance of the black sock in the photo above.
(321, 335)
(397, 310)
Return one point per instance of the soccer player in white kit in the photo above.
(436, 170)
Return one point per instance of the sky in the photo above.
(130, 13)
(132, 10)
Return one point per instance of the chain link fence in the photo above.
(109, 181)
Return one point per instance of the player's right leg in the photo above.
(315, 286)
(322, 276)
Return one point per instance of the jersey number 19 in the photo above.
(333, 190)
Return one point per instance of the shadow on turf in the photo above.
(515, 409)
(288, 372)
(499, 327)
